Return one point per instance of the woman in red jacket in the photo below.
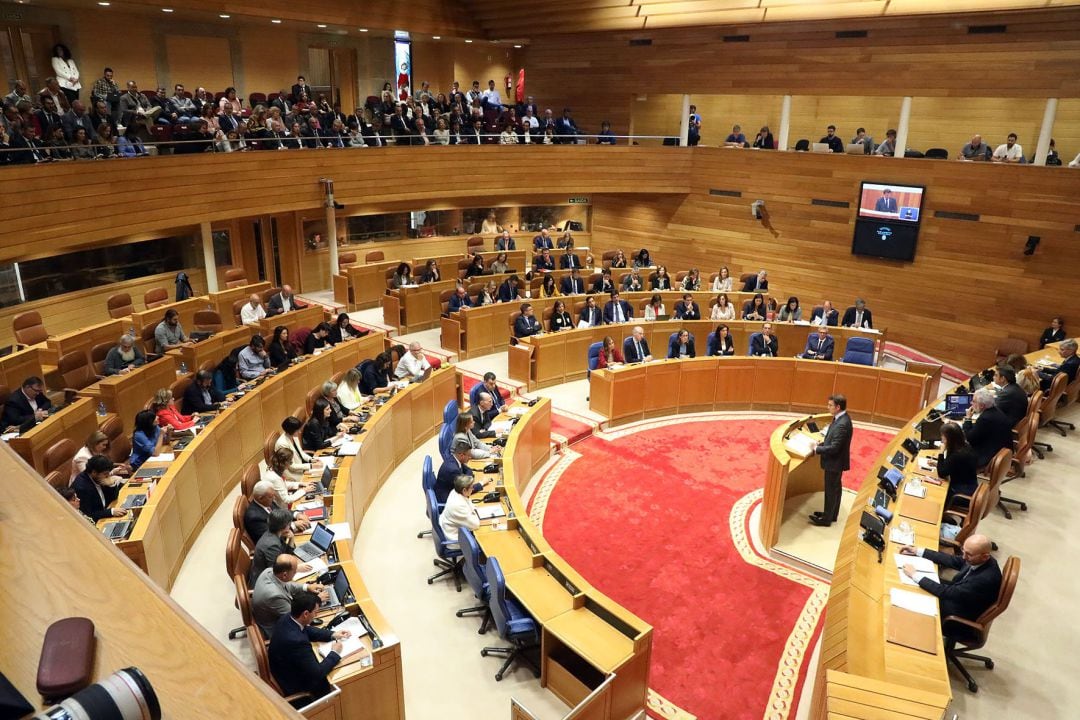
(167, 414)
(609, 354)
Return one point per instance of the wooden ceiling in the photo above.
(508, 20)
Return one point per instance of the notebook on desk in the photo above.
(912, 629)
(149, 473)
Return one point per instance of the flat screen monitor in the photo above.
(887, 224)
(889, 201)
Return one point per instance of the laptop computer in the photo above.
(117, 530)
(338, 593)
(134, 501)
(149, 473)
(930, 430)
(820, 147)
(321, 540)
(323, 484)
(855, 149)
(956, 406)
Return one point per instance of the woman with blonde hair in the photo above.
(288, 491)
(348, 392)
(96, 444)
(164, 408)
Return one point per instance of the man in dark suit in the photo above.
(282, 302)
(886, 203)
(484, 413)
(572, 284)
(257, 516)
(1069, 365)
(301, 86)
(489, 386)
(636, 347)
(991, 431)
(617, 310)
(1010, 398)
(819, 346)
(281, 102)
(592, 315)
(460, 299)
(76, 118)
(372, 133)
(687, 309)
(26, 148)
(835, 452)
(758, 283)
(454, 465)
(201, 396)
(292, 660)
(504, 242)
(825, 315)
(526, 324)
(508, 290)
(633, 281)
(764, 343)
(973, 589)
(543, 241)
(95, 494)
(28, 405)
(604, 284)
(569, 260)
(544, 262)
(858, 316)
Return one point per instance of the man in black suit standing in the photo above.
(886, 203)
(301, 86)
(858, 316)
(991, 431)
(27, 406)
(292, 659)
(973, 589)
(835, 452)
(1010, 398)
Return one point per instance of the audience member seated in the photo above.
(543, 241)
(288, 491)
(293, 662)
(609, 354)
(431, 272)
(572, 284)
(1010, 397)
(458, 300)
(604, 285)
(1069, 364)
(764, 139)
(27, 406)
(402, 276)
(463, 434)
(1009, 151)
(833, 140)
(722, 282)
(758, 283)
(642, 260)
(991, 431)
(274, 591)
(164, 408)
(253, 311)
(375, 375)
(722, 343)
(264, 500)
(617, 310)
(863, 138)
(633, 282)
(975, 151)
(560, 319)
(819, 345)
(660, 280)
(764, 344)
(348, 392)
(200, 395)
(69, 495)
(282, 302)
(791, 312)
(147, 438)
(526, 323)
(124, 356)
(692, 281)
(476, 267)
(509, 290)
(504, 242)
(825, 315)
(548, 288)
(275, 541)
(1027, 377)
(544, 262)
(591, 315)
(413, 365)
(483, 413)
(343, 330)
(454, 466)
(973, 588)
(319, 432)
(568, 260)
(1054, 333)
(887, 148)
(280, 351)
(619, 260)
(636, 347)
(289, 439)
(687, 309)
(253, 361)
(490, 386)
(957, 463)
(97, 487)
(96, 444)
(316, 339)
(736, 138)
(655, 309)
(168, 335)
(755, 309)
(681, 346)
(858, 316)
(722, 309)
(459, 511)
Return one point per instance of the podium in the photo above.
(789, 474)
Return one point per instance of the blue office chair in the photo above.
(446, 557)
(473, 568)
(427, 482)
(592, 358)
(749, 347)
(627, 343)
(474, 395)
(710, 344)
(446, 437)
(450, 413)
(859, 351)
(511, 620)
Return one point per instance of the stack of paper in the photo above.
(352, 644)
(923, 569)
(897, 535)
(163, 457)
(501, 427)
(922, 604)
(486, 512)
(915, 490)
(348, 448)
(924, 464)
(341, 530)
(799, 445)
(318, 567)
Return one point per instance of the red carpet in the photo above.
(657, 540)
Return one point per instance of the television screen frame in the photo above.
(888, 238)
(864, 214)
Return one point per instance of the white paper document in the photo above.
(897, 535)
(924, 464)
(348, 448)
(487, 512)
(318, 567)
(922, 604)
(163, 457)
(501, 427)
(352, 644)
(799, 445)
(341, 531)
(915, 490)
(923, 568)
(337, 441)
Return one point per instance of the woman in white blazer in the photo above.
(459, 511)
(67, 74)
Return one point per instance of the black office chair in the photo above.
(802, 145)
(937, 154)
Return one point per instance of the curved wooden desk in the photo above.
(594, 653)
(667, 387)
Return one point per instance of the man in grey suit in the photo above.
(835, 452)
(274, 591)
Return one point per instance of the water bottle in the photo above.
(183, 368)
(101, 409)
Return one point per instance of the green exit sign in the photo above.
(579, 201)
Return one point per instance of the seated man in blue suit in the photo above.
(543, 241)
(617, 311)
(526, 323)
(490, 386)
(572, 284)
(544, 262)
(636, 347)
(452, 466)
(504, 242)
(508, 291)
(819, 346)
(764, 344)
(460, 299)
(569, 260)
(825, 315)
(292, 660)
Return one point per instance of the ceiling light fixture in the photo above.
(276, 21)
(363, 29)
(103, 4)
(224, 17)
(518, 47)
(468, 41)
(436, 37)
(168, 10)
(320, 25)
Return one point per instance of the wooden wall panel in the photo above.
(949, 122)
(199, 60)
(267, 72)
(810, 115)
(95, 46)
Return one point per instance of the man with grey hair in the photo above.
(858, 316)
(758, 283)
(338, 412)
(453, 466)
(274, 590)
(253, 311)
(124, 356)
(483, 413)
(413, 365)
(1069, 365)
(986, 427)
(264, 498)
(458, 511)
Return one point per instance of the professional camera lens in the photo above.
(124, 695)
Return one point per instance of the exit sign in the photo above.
(579, 201)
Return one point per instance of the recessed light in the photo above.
(276, 22)
(436, 37)
(224, 17)
(468, 41)
(518, 46)
(363, 29)
(168, 10)
(320, 25)
(103, 4)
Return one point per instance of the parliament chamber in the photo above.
(92, 251)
